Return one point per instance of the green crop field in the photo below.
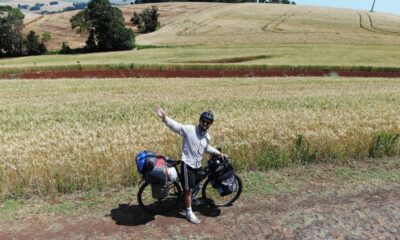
(65, 135)
(283, 35)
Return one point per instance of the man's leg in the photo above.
(188, 197)
(189, 181)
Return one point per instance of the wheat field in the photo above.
(68, 135)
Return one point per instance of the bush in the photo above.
(384, 145)
(65, 49)
(147, 20)
(33, 45)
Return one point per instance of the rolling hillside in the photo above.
(60, 27)
(221, 35)
(217, 24)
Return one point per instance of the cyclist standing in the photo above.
(195, 142)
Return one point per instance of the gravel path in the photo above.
(314, 214)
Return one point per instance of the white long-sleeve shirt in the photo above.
(195, 143)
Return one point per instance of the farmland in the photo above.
(194, 34)
(66, 135)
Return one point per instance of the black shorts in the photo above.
(189, 176)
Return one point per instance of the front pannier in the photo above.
(223, 175)
(226, 181)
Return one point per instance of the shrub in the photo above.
(65, 49)
(384, 145)
(147, 20)
(33, 45)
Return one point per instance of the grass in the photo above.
(69, 135)
(296, 56)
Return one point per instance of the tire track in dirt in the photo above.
(34, 20)
(273, 25)
(366, 23)
(192, 30)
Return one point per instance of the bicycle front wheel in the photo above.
(159, 205)
(212, 197)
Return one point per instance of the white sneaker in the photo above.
(192, 218)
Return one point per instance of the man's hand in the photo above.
(160, 112)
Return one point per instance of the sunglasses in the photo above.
(206, 122)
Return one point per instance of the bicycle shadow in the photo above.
(134, 215)
(130, 215)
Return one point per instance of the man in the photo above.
(195, 142)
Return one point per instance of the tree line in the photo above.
(12, 41)
(102, 23)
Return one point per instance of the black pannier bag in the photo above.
(159, 191)
(223, 176)
(158, 173)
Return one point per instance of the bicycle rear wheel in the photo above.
(154, 205)
(212, 197)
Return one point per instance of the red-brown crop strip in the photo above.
(130, 73)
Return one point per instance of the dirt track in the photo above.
(123, 73)
(369, 214)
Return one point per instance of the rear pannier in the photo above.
(159, 173)
(145, 160)
(154, 167)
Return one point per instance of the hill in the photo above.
(60, 28)
(263, 24)
(217, 24)
(221, 35)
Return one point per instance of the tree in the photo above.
(147, 20)
(65, 49)
(91, 45)
(79, 23)
(33, 45)
(46, 37)
(105, 25)
(11, 25)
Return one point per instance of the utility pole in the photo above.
(373, 5)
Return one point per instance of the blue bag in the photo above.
(141, 158)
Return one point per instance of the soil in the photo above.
(125, 73)
(367, 214)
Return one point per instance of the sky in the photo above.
(386, 6)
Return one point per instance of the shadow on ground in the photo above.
(134, 215)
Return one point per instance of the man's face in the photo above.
(204, 124)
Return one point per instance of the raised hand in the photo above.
(160, 112)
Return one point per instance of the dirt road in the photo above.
(314, 214)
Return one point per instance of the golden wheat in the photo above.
(65, 135)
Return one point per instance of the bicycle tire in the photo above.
(214, 198)
(145, 198)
